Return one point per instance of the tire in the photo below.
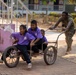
(11, 52)
(52, 54)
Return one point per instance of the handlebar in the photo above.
(59, 34)
(54, 29)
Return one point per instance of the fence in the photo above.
(44, 7)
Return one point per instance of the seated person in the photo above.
(44, 40)
(35, 31)
(23, 38)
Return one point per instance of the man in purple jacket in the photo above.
(35, 31)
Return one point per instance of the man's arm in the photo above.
(39, 36)
(31, 39)
(15, 41)
(14, 36)
(57, 22)
(36, 40)
(60, 19)
(32, 43)
(69, 24)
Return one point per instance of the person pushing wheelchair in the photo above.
(68, 26)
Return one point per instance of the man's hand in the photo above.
(63, 28)
(66, 30)
(32, 44)
(45, 43)
(15, 41)
(51, 28)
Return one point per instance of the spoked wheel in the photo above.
(50, 55)
(11, 57)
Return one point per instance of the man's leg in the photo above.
(35, 49)
(69, 40)
(44, 47)
(39, 42)
(23, 50)
(37, 46)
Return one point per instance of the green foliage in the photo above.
(75, 22)
(50, 0)
(73, 15)
(45, 1)
(71, 1)
(55, 14)
(53, 0)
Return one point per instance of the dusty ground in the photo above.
(61, 67)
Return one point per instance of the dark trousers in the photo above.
(35, 48)
(24, 51)
(38, 46)
(69, 39)
(44, 46)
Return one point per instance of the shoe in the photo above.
(1, 61)
(29, 66)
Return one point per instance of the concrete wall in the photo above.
(70, 8)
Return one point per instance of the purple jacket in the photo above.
(44, 39)
(23, 40)
(36, 33)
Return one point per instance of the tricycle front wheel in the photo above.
(50, 55)
(11, 57)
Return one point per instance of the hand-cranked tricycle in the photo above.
(12, 55)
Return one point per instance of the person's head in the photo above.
(43, 32)
(23, 29)
(64, 15)
(33, 24)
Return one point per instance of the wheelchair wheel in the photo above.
(11, 57)
(50, 55)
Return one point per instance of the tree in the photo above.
(71, 1)
(45, 2)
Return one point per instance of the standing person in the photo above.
(35, 31)
(68, 24)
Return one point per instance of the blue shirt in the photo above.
(44, 39)
(36, 33)
(23, 39)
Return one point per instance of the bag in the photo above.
(9, 29)
(5, 40)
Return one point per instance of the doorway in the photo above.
(56, 5)
(31, 4)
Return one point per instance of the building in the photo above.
(40, 5)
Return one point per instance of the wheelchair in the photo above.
(12, 55)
